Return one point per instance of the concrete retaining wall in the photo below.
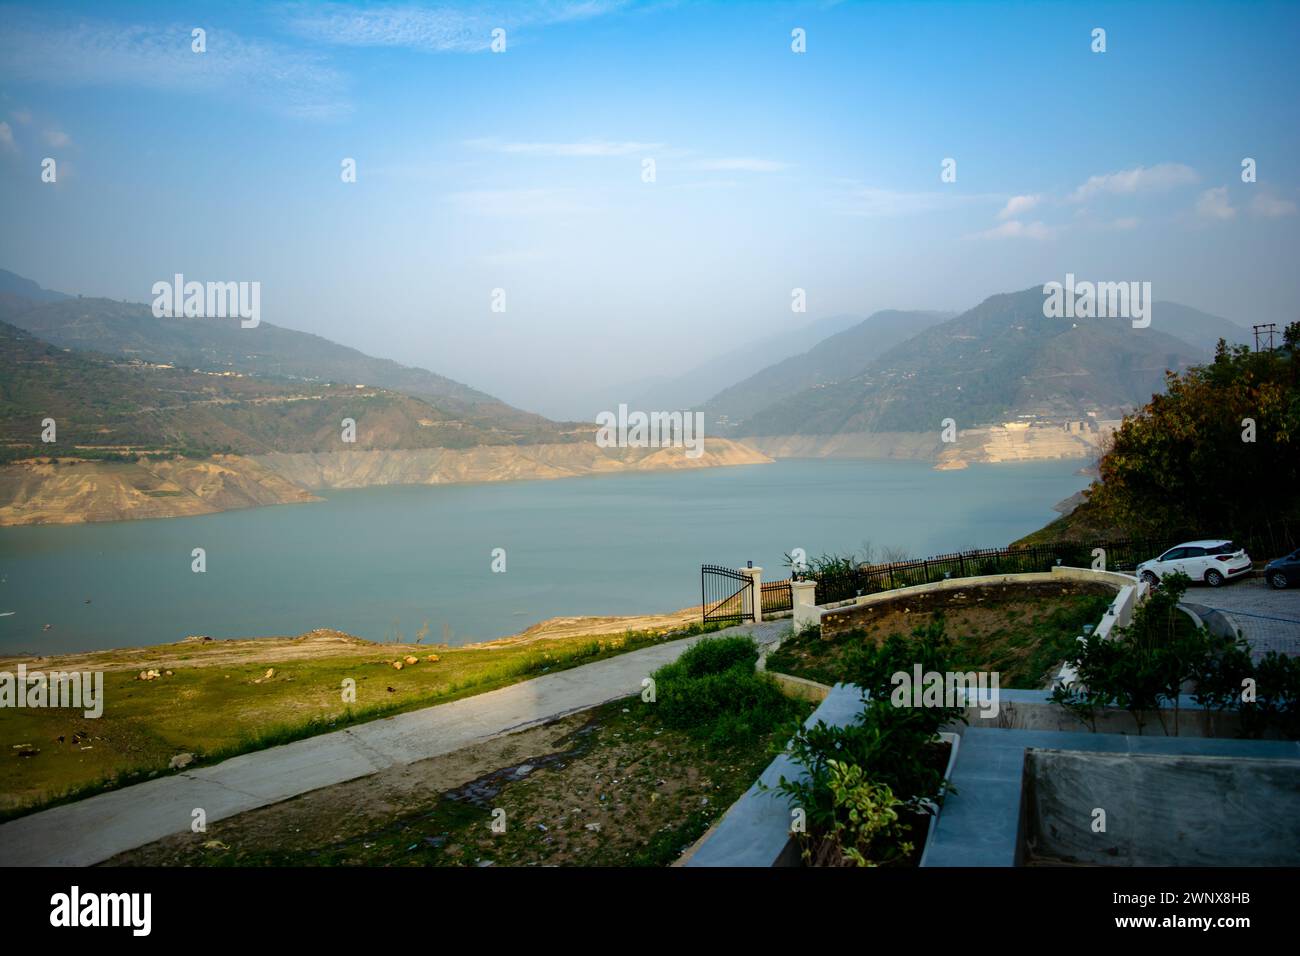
(1160, 809)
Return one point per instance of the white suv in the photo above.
(1210, 561)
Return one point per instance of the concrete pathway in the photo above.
(92, 830)
(1268, 619)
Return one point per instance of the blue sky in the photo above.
(522, 170)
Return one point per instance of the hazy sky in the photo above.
(523, 170)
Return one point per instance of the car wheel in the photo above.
(1277, 579)
(1213, 578)
(1150, 578)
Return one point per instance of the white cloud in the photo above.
(1014, 229)
(1214, 204)
(103, 53)
(435, 30)
(7, 138)
(1140, 179)
(57, 138)
(22, 116)
(582, 149)
(1019, 205)
(1125, 223)
(1270, 207)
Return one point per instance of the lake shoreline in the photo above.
(82, 491)
(473, 562)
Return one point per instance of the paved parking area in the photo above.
(1269, 619)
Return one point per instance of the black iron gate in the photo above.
(727, 594)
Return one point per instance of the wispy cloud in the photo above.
(588, 148)
(434, 30)
(56, 138)
(102, 53)
(7, 138)
(1215, 204)
(1018, 206)
(1271, 207)
(1140, 179)
(1014, 229)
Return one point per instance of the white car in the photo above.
(1212, 561)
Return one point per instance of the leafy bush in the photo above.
(1147, 664)
(713, 692)
(717, 655)
(890, 750)
(867, 829)
(1277, 697)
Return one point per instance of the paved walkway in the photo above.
(92, 830)
(1267, 618)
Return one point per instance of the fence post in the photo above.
(803, 598)
(755, 576)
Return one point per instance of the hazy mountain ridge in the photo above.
(12, 284)
(106, 403)
(695, 386)
(999, 361)
(269, 351)
(834, 358)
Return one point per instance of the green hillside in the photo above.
(106, 406)
(130, 330)
(999, 360)
(830, 361)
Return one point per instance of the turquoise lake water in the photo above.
(376, 562)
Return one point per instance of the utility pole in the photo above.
(1269, 329)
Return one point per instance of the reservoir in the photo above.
(384, 562)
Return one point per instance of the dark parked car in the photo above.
(1283, 572)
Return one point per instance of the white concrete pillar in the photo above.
(806, 612)
(756, 575)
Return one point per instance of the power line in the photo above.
(1267, 329)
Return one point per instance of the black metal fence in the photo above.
(726, 594)
(777, 597)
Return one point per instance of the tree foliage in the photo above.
(1218, 452)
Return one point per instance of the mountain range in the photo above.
(210, 384)
(999, 361)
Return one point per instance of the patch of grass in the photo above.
(1023, 641)
(219, 711)
(713, 692)
(623, 789)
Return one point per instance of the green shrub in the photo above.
(713, 692)
(718, 654)
(886, 760)
(867, 830)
